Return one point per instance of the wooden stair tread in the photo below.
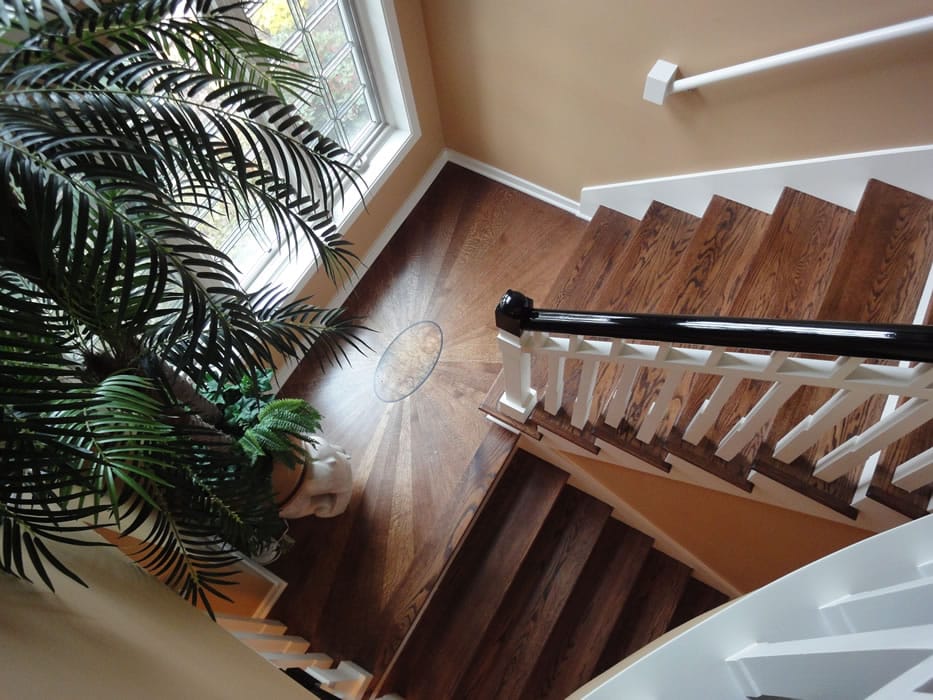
(788, 278)
(913, 504)
(648, 609)
(632, 281)
(507, 655)
(569, 658)
(698, 598)
(885, 259)
(583, 275)
(706, 280)
(420, 581)
(476, 582)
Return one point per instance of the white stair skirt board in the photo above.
(787, 609)
(275, 643)
(515, 182)
(900, 605)
(257, 625)
(610, 454)
(768, 490)
(841, 667)
(347, 681)
(915, 684)
(838, 179)
(298, 660)
(689, 473)
(873, 515)
(624, 512)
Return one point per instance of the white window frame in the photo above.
(382, 43)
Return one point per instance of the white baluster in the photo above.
(621, 395)
(854, 451)
(705, 418)
(806, 433)
(659, 408)
(519, 399)
(554, 393)
(764, 411)
(584, 400)
(916, 472)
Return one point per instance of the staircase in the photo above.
(546, 592)
(769, 432)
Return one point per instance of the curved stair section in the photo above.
(853, 625)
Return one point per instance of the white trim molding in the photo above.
(515, 182)
(838, 179)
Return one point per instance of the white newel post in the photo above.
(519, 399)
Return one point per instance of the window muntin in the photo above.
(325, 34)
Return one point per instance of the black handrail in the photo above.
(515, 314)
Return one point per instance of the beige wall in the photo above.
(550, 90)
(126, 636)
(381, 207)
(747, 542)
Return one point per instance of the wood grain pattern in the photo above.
(585, 278)
(416, 590)
(708, 279)
(576, 642)
(913, 504)
(649, 608)
(477, 581)
(465, 243)
(787, 279)
(513, 642)
(879, 279)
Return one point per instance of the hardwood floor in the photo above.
(467, 242)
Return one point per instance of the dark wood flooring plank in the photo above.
(414, 592)
(697, 599)
(580, 635)
(476, 583)
(449, 263)
(648, 610)
(507, 654)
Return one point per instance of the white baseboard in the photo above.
(515, 182)
(838, 179)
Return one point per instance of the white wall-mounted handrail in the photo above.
(661, 79)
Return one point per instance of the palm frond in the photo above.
(126, 128)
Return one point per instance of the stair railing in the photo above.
(556, 336)
(661, 79)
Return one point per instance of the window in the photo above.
(326, 35)
(365, 105)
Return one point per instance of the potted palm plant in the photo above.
(127, 130)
